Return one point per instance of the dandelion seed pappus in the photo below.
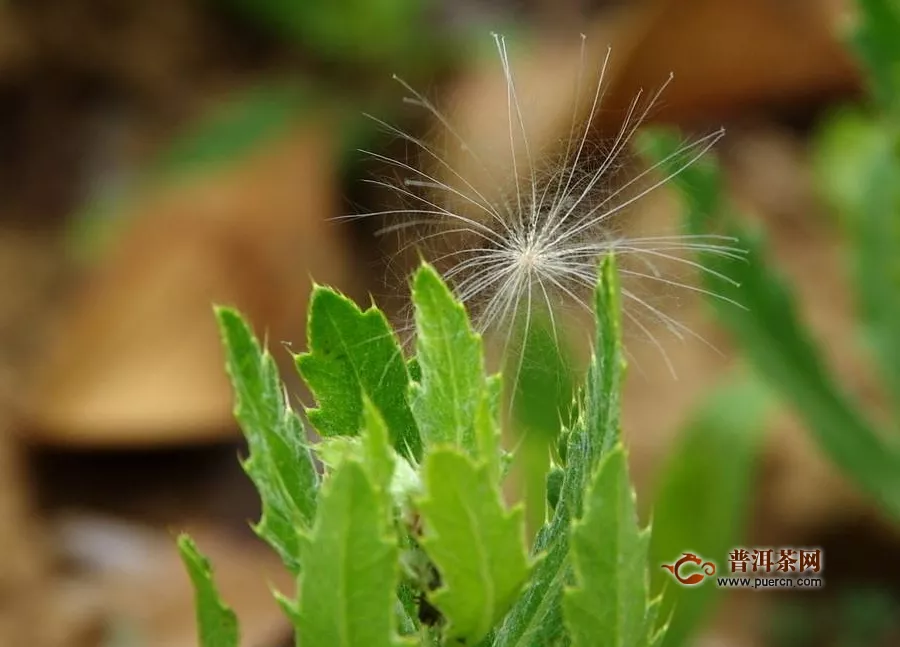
(522, 230)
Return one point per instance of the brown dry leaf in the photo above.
(138, 360)
(546, 77)
(24, 580)
(726, 57)
(25, 570)
(739, 55)
(15, 47)
(155, 50)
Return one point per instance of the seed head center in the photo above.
(530, 258)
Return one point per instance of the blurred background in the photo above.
(158, 157)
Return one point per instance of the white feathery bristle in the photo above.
(506, 252)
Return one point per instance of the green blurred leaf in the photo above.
(864, 152)
(476, 544)
(378, 31)
(866, 616)
(877, 257)
(543, 377)
(217, 625)
(452, 385)
(536, 618)
(226, 134)
(858, 164)
(843, 152)
(609, 603)
(703, 496)
(877, 43)
(347, 590)
(353, 353)
(235, 128)
(773, 337)
(543, 391)
(279, 463)
(878, 267)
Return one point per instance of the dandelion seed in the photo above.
(509, 248)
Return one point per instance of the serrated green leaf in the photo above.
(876, 41)
(536, 618)
(445, 400)
(704, 494)
(347, 590)
(217, 625)
(279, 463)
(609, 603)
(477, 545)
(352, 353)
(774, 338)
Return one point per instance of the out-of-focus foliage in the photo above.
(776, 340)
(876, 43)
(771, 332)
(856, 617)
(375, 31)
(704, 493)
(542, 379)
(230, 132)
(858, 167)
(235, 127)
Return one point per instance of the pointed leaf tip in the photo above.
(450, 360)
(352, 353)
(279, 463)
(217, 625)
(609, 556)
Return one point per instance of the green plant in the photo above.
(860, 161)
(405, 537)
